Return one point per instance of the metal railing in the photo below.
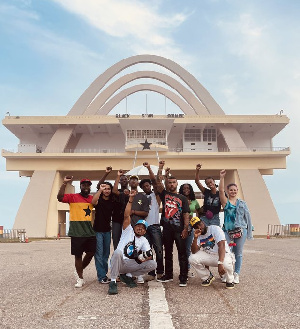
(177, 149)
(284, 230)
(14, 235)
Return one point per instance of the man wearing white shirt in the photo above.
(209, 248)
(133, 254)
(154, 234)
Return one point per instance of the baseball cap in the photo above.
(85, 180)
(195, 220)
(134, 177)
(142, 221)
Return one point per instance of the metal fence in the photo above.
(284, 230)
(14, 235)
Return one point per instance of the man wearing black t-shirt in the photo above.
(118, 209)
(140, 205)
(175, 220)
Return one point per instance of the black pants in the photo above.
(172, 233)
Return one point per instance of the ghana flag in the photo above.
(80, 215)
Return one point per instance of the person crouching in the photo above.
(133, 254)
(209, 248)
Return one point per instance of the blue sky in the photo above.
(245, 53)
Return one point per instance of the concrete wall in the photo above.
(256, 140)
(102, 141)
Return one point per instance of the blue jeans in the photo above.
(154, 236)
(214, 221)
(116, 232)
(102, 254)
(188, 244)
(238, 249)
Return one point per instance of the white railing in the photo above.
(14, 234)
(177, 149)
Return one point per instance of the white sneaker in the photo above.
(223, 278)
(236, 279)
(140, 279)
(79, 283)
(76, 275)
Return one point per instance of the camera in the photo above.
(143, 255)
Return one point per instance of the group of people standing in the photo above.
(134, 222)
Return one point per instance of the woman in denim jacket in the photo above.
(236, 214)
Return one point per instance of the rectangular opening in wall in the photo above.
(192, 135)
(209, 135)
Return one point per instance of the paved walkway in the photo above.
(37, 291)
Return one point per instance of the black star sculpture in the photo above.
(87, 211)
(146, 145)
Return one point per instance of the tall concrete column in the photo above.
(33, 211)
(258, 199)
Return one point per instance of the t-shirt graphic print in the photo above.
(173, 209)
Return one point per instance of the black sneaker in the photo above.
(183, 283)
(113, 288)
(212, 278)
(229, 285)
(128, 281)
(165, 278)
(105, 280)
(208, 281)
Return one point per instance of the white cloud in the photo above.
(25, 22)
(130, 20)
(247, 38)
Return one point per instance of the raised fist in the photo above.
(146, 164)
(222, 173)
(132, 193)
(68, 179)
(102, 187)
(161, 164)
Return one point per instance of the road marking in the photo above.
(160, 318)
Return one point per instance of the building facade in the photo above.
(88, 139)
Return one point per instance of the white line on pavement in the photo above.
(160, 318)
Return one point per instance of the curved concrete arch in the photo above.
(158, 89)
(188, 96)
(90, 93)
(63, 134)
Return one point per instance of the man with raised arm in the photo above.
(118, 209)
(153, 234)
(140, 205)
(175, 220)
(133, 254)
(83, 237)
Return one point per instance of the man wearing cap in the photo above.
(133, 254)
(83, 237)
(209, 248)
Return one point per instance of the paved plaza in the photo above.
(37, 291)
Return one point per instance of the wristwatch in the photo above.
(220, 263)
